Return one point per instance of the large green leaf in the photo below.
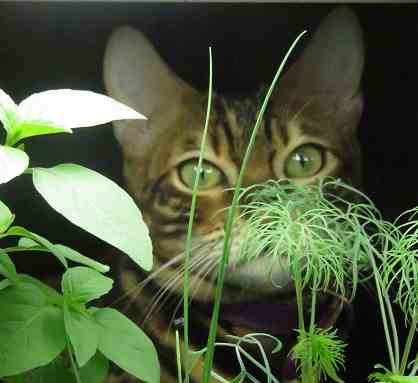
(13, 162)
(82, 284)
(6, 217)
(83, 332)
(68, 108)
(98, 205)
(126, 344)
(31, 330)
(55, 371)
(8, 111)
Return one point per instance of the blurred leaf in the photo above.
(6, 217)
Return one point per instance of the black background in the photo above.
(61, 45)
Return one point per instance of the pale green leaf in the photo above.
(8, 111)
(31, 330)
(6, 217)
(83, 332)
(67, 253)
(75, 256)
(97, 205)
(13, 162)
(125, 344)
(68, 108)
(81, 284)
(43, 242)
(7, 267)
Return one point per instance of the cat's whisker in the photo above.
(168, 286)
(195, 285)
(136, 290)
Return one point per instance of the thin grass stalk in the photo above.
(408, 345)
(72, 361)
(186, 288)
(394, 329)
(383, 312)
(230, 217)
(178, 357)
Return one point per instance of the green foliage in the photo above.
(321, 351)
(37, 323)
(122, 342)
(31, 329)
(114, 217)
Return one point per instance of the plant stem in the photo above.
(72, 361)
(408, 345)
(178, 354)
(186, 290)
(383, 312)
(229, 221)
(313, 309)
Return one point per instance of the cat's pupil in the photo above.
(302, 159)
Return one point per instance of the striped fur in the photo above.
(318, 103)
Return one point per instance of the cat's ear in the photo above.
(331, 65)
(135, 74)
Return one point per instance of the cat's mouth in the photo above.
(278, 317)
(275, 315)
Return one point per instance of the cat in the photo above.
(309, 132)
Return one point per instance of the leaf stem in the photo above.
(72, 361)
(229, 221)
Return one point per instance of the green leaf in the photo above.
(56, 371)
(33, 128)
(7, 267)
(6, 217)
(43, 242)
(81, 284)
(68, 108)
(13, 162)
(52, 296)
(95, 371)
(8, 111)
(75, 256)
(4, 284)
(98, 205)
(125, 344)
(67, 253)
(83, 332)
(31, 330)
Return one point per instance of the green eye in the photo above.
(210, 177)
(305, 161)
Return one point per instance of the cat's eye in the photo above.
(305, 161)
(210, 177)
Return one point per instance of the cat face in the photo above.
(309, 132)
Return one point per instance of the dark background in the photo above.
(61, 45)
